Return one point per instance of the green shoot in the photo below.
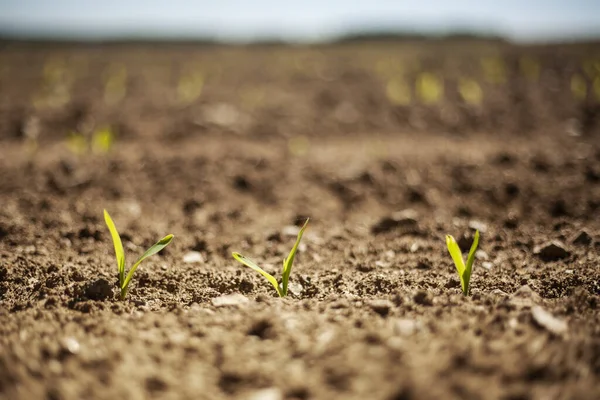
(125, 280)
(282, 289)
(464, 271)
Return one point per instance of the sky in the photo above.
(309, 20)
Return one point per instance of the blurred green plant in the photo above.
(55, 85)
(77, 143)
(125, 280)
(591, 68)
(31, 131)
(101, 141)
(115, 84)
(494, 69)
(464, 270)
(298, 146)
(578, 87)
(430, 88)
(470, 91)
(398, 92)
(282, 289)
(190, 86)
(530, 68)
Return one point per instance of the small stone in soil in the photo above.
(295, 288)
(70, 344)
(406, 327)
(234, 299)
(487, 265)
(546, 320)
(266, 394)
(551, 251)
(290, 230)
(478, 226)
(193, 257)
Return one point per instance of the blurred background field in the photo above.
(429, 68)
(172, 90)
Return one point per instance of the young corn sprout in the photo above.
(464, 271)
(125, 280)
(282, 289)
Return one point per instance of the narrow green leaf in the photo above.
(456, 254)
(289, 261)
(119, 253)
(470, 260)
(158, 246)
(249, 263)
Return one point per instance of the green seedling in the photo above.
(282, 289)
(125, 280)
(464, 271)
(100, 142)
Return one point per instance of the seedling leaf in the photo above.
(158, 246)
(470, 259)
(120, 254)
(289, 261)
(287, 266)
(455, 253)
(249, 263)
(464, 271)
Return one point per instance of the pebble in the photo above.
(406, 327)
(266, 394)
(234, 299)
(193, 257)
(70, 344)
(487, 265)
(290, 230)
(381, 307)
(546, 320)
(295, 288)
(551, 251)
(478, 226)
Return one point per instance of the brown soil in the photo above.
(376, 311)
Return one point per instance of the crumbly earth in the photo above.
(279, 134)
